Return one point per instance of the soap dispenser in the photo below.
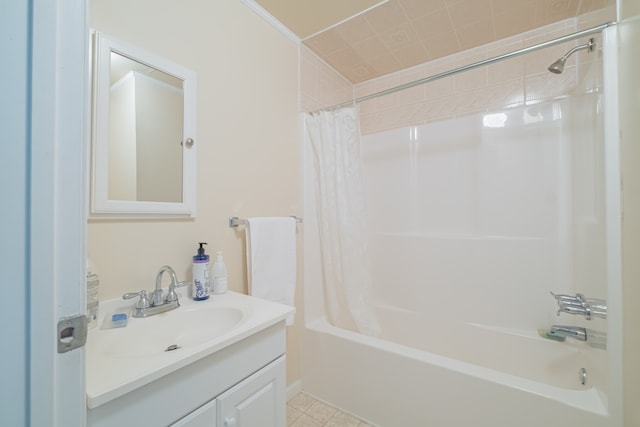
(200, 268)
(219, 275)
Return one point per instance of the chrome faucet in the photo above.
(574, 332)
(579, 305)
(157, 299)
(146, 307)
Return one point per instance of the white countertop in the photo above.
(112, 374)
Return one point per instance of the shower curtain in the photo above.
(335, 141)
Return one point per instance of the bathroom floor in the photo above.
(305, 411)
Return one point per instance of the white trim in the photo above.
(345, 20)
(260, 11)
(294, 389)
(58, 207)
(613, 213)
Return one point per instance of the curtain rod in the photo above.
(568, 37)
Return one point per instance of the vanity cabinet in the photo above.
(205, 416)
(242, 385)
(257, 401)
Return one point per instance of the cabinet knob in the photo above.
(230, 422)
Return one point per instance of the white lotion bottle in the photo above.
(219, 275)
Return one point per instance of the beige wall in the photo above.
(629, 64)
(247, 139)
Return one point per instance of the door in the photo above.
(257, 401)
(204, 416)
(43, 110)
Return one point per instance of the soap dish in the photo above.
(116, 320)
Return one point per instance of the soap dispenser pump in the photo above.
(200, 269)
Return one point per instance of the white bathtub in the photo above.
(490, 378)
(471, 226)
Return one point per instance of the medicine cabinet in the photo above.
(143, 161)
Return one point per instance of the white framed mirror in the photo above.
(144, 132)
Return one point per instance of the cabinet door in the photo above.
(204, 416)
(257, 401)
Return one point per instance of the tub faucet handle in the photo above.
(579, 305)
(575, 310)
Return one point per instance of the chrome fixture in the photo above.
(574, 332)
(157, 303)
(558, 66)
(234, 221)
(579, 305)
(592, 337)
(582, 374)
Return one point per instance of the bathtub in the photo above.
(461, 287)
(492, 377)
(471, 225)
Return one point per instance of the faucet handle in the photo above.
(563, 298)
(575, 310)
(143, 302)
(172, 295)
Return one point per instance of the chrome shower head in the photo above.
(558, 66)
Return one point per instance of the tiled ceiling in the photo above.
(307, 17)
(398, 34)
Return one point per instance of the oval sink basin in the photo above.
(170, 331)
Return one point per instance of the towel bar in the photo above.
(234, 221)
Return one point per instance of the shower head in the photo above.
(558, 66)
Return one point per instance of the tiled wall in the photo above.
(320, 85)
(513, 82)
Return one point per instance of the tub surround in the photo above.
(117, 375)
(472, 221)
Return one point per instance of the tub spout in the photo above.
(574, 332)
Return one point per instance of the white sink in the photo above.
(120, 360)
(173, 330)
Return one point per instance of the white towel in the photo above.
(271, 259)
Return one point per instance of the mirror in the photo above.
(144, 162)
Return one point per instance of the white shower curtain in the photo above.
(335, 141)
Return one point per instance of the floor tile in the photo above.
(292, 414)
(306, 421)
(302, 402)
(321, 411)
(305, 411)
(340, 419)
